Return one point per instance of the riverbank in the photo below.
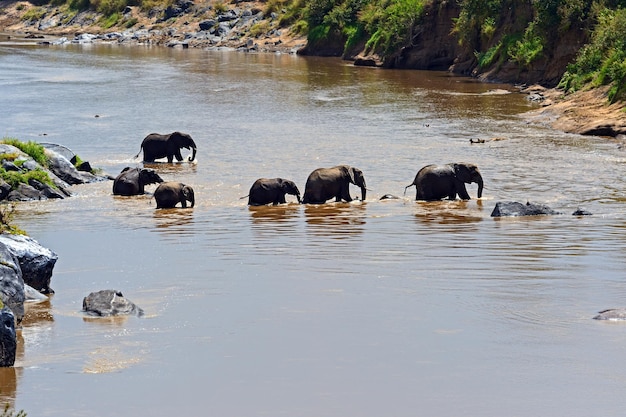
(251, 27)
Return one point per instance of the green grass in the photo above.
(32, 149)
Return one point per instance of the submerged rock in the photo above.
(106, 303)
(514, 209)
(613, 314)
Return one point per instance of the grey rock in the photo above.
(207, 24)
(45, 189)
(8, 338)
(613, 314)
(106, 303)
(11, 282)
(25, 192)
(515, 209)
(36, 262)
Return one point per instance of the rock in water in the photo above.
(513, 209)
(614, 314)
(8, 340)
(106, 303)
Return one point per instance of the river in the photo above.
(375, 308)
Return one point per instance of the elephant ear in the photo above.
(461, 171)
(351, 174)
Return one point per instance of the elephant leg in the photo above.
(183, 203)
(345, 193)
(178, 156)
(462, 192)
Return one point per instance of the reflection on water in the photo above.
(336, 220)
(433, 306)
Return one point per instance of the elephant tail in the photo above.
(410, 185)
(245, 196)
(140, 148)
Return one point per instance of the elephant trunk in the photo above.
(363, 192)
(193, 148)
(299, 200)
(480, 187)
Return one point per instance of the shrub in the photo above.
(34, 14)
(7, 211)
(603, 60)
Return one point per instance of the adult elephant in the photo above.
(326, 183)
(168, 194)
(271, 190)
(131, 181)
(157, 146)
(435, 182)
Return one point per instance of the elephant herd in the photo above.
(432, 182)
(132, 181)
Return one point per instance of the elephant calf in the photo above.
(131, 181)
(168, 194)
(265, 191)
(435, 182)
(326, 183)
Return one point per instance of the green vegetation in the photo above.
(12, 413)
(7, 211)
(603, 60)
(35, 151)
(34, 13)
(525, 33)
(32, 149)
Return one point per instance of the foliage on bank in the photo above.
(496, 33)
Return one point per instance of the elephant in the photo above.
(168, 194)
(157, 146)
(266, 190)
(435, 182)
(131, 181)
(326, 183)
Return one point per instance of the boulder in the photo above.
(65, 170)
(25, 192)
(613, 314)
(11, 282)
(105, 303)
(8, 339)
(514, 209)
(36, 262)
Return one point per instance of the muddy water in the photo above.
(375, 308)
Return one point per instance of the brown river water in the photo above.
(375, 308)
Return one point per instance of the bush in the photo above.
(603, 60)
(7, 211)
(34, 14)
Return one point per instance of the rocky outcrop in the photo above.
(106, 303)
(35, 262)
(11, 282)
(60, 170)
